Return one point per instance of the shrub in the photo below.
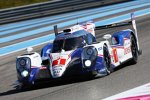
(15, 3)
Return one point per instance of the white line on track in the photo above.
(138, 93)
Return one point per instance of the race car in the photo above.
(75, 51)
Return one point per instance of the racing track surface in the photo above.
(79, 89)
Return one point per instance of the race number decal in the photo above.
(55, 62)
(59, 62)
(62, 61)
(115, 55)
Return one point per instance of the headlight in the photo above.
(88, 56)
(25, 73)
(88, 63)
(23, 64)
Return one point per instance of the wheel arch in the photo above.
(132, 33)
(45, 49)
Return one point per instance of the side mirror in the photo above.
(107, 36)
(29, 49)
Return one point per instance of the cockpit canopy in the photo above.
(70, 41)
(67, 44)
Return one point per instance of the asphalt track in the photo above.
(127, 77)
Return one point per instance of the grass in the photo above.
(15, 3)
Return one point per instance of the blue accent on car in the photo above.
(121, 35)
(79, 35)
(76, 53)
(33, 73)
(46, 49)
(99, 67)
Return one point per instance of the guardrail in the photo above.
(50, 8)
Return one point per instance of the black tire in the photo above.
(107, 64)
(134, 50)
(107, 60)
(21, 87)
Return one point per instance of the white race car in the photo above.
(75, 51)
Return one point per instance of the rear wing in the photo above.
(113, 25)
(131, 22)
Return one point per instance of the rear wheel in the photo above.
(134, 50)
(107, 60)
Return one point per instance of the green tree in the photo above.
(15, 3)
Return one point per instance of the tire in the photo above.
(107, 64)
(107, 60)
(134, 50)
(21, 87)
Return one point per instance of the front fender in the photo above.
(46, 50)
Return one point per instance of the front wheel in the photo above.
(20, 87)
(107, 63)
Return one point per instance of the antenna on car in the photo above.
(29, 49)
(55, 30)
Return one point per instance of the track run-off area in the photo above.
(15, 37)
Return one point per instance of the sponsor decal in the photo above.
(117, 46)
(34, 67)
(100, 48)
(57, 70)
(43, 68)
(126, 39)
(100, 55)
(127, 42)
(127, 50)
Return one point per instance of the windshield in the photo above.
(67, 44)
